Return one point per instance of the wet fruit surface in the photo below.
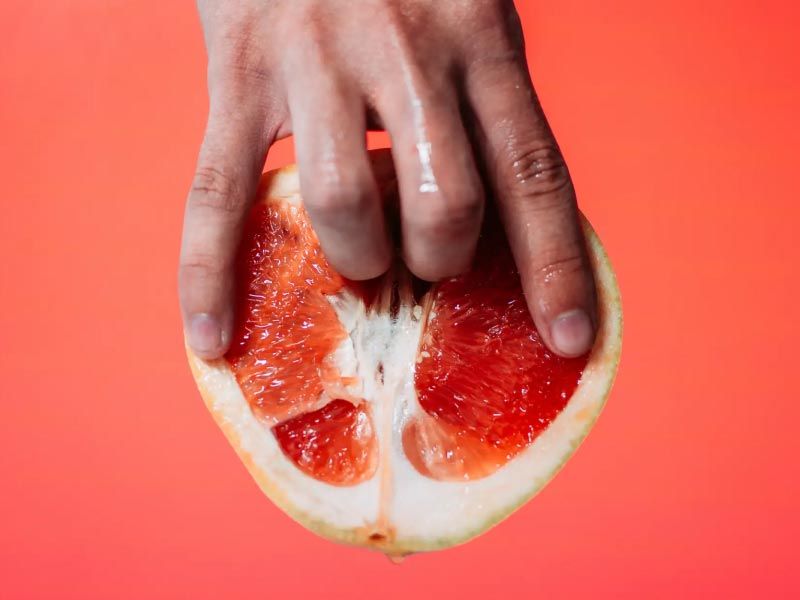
(335, 443)
(282, 346)
(286, 329)
(485, 382)
(484, 377)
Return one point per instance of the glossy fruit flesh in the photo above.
(485, 379)
(485, 382)
(335, 443)
(283, 344)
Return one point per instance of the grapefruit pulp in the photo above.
(394, 414)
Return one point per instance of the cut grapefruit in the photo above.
(393, 414)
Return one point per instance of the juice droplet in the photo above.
(396, 558)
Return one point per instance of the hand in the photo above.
(427, 71)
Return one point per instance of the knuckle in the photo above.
(537, 172)
(316, 25)
(465, 211)
(488, 14)
(214, 189)
(557, 264)
(242, 60)
(457, 215)
(330, 201)
(198, 265)
(496, 37)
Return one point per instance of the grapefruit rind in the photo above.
(420, 514)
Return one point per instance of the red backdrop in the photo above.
(679, 121)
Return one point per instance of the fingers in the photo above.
(536, 199)
(441, 195)
(229, 166)
(339, 189)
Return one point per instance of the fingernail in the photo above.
(205, 335)
(572, 333)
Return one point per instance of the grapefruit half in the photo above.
(394, 414)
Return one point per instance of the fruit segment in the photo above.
(282, 351)
(286, 330)
(485, 379)
(335, 443)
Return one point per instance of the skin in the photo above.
(449, 82)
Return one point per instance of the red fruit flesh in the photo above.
(282, 346)
(286, 329)
(335, 443)
(484, 377)
(486, 383)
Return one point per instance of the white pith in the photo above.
(410, 511)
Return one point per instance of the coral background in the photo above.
(679, 120)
